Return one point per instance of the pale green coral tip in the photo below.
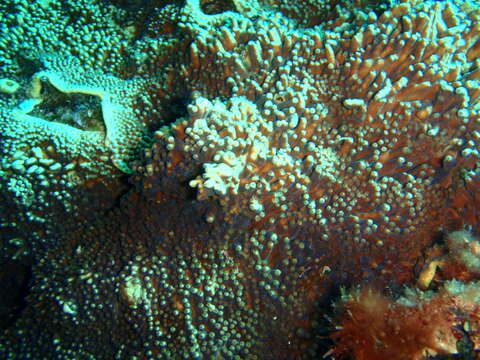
(8, 86)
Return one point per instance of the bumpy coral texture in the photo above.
(416, 326)
(186, 180)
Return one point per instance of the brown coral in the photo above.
(416, 326)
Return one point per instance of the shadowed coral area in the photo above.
(198, 179)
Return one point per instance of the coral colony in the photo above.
(239, 179)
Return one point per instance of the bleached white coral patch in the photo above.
(250, 153)
(221, 177)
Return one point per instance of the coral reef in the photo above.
(197, 179)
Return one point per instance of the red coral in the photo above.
(373, 326)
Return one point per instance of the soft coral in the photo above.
(375, 327)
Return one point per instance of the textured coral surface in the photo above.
(415, 326)
(196, 179)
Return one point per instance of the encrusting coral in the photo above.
(196, 179)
